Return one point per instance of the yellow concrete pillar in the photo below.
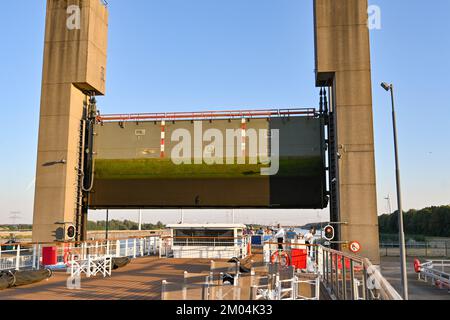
(74, 67)
(343, 61)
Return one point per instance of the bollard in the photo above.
(126, 248)
(163, 290)
(184, 289)
(237, 293)
(253, 292)
(236, 278)
(252, 276)
(141, 247)
(134, 248)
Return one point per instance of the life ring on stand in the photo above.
(282, 258)
(417, 266)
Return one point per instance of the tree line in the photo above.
(431, 222)
(123, 225)
(114, 225)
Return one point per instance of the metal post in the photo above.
(107, 224)
(117, 248)
(134, 248)
(18, 257)
(220, 285)
(365, 291)
(140, 220)
(336, 267)
(399, 203)
(344, 277)
(352, 279)
(126, 248)
(34, 256)
(38, 257)
(160, 247)
(205, 289)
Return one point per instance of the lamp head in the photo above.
(386, 86)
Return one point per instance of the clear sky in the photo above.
(180, 55)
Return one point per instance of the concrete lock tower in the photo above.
(343, 66)
(73, 72)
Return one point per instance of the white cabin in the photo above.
(208, 241)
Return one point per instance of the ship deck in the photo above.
(140, 280)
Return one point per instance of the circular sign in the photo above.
(355, 247)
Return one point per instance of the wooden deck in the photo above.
(140, 280)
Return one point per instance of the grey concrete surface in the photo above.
(418, 289)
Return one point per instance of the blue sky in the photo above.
(178, 55)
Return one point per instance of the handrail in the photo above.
(387, 291)
(206, 115)
(347, 275)
(56, 244)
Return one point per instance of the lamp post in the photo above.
(404, 275)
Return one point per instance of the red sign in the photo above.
(355, 247)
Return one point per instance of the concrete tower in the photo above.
(343, 62)
(74, 69)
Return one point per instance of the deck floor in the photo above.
(140, 280)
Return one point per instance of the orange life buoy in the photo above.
(417, 266)
(66, 257)
(279, 257)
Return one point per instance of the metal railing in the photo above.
(350, 277)
(29, 256)
(417, 249)
(207, 115)
(437, 272)
(205, 247)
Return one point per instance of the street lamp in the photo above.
(390, 87)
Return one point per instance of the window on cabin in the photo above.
(198, 237)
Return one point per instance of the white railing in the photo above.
(436, 271)
(16, 257)
(205, 247)
(29, 256)
(351, 277)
